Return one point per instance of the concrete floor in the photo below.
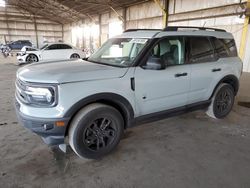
(190, 150)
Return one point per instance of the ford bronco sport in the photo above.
(139, 76)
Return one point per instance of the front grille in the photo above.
(20, 91)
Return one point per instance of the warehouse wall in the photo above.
(146, 15)
(20, 25)
(223, 14)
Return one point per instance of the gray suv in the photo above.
(139, 76)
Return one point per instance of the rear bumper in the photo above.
(46, 128)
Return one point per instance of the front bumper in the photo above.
(44, 127)
(21, 59)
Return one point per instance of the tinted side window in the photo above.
(53, 47)
(220, 48)
(201, 50)
(171, 50)
(231, 47)
(64, 46)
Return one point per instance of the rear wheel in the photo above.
(222, 101)
(31, 58)
(95, 131)
(74, 56)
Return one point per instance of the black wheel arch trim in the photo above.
(227, 79)
(112, 99)
(75, 54)
(32, 54)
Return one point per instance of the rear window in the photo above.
(64, 46)
(230, 46)
(224, 47)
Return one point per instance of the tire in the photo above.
(222, 102)
(95, 131)
(74, 56)
(31, 58)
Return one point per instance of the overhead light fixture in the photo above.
(2, 3)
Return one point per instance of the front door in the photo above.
(52, 52)
(160, 90)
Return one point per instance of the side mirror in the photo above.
(154, 63)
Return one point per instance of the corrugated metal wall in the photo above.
(19, 25)
(209, 13)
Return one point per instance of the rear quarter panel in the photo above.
(229, 66)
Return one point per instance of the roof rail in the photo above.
(131, 30)
(175, 28)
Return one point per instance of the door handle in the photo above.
(181, 74)
(216, 70)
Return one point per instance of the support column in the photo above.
(244, 33)
(8, 28)
(35, 24)
(125, 18)
(118, 15)
(164, 9)
(100, 30)
(166, 12)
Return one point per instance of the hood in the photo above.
(28, 48)
(68, 71)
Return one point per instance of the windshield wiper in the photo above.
(107, 64)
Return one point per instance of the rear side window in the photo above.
(64, 46)
(201, 50)
(220, 48)
(224, 47)
(231, 47)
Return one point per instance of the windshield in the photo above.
(119, 51)
(44, 46)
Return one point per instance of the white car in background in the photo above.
(49, 52)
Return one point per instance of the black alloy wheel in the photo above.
(223, 101)
(95, 131)
(99, 134)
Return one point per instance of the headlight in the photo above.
(40, 96)
(21, 53)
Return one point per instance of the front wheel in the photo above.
(222, 101)
(74, 56)
(31, 58)
(95, 131)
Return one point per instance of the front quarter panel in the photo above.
(71, 93)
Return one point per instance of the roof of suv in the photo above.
(176, 31)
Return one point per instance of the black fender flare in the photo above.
(112, 99)
(228, 79)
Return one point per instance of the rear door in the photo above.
(66, 51)
(205, 68)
